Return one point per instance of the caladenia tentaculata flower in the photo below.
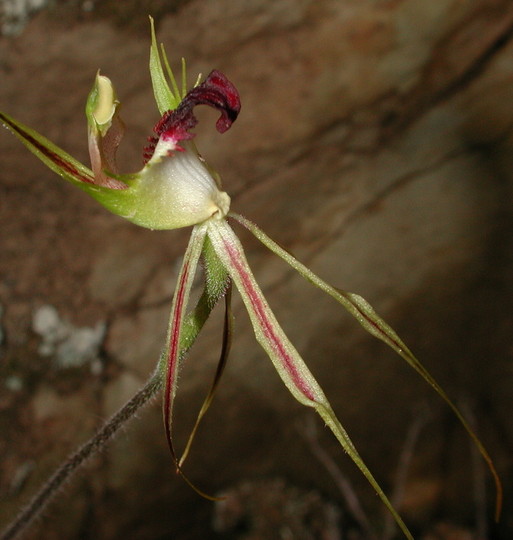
(176, 188)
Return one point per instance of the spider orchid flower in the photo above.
(176, 188)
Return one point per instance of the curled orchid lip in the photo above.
(175, 125)
(174, 189)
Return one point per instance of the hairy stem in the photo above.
(80, 457)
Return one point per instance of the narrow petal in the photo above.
(287, 361)
(50, 154)
(269, 334)
(363, 312)
(172, 353)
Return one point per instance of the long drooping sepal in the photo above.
(363, 312)
(287, 361)
(221, 364)
(172, 354)
(217, 284)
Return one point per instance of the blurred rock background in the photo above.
(374, 143)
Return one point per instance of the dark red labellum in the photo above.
(217, 92)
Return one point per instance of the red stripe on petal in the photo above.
(267, 326)
(174, 349)
(60, 162)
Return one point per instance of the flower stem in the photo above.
(80, 457)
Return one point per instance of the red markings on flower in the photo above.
(65, 165)
(149, 149)
(266, 325)
(173, 354)
(217, 92)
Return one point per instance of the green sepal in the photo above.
(164, 97)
